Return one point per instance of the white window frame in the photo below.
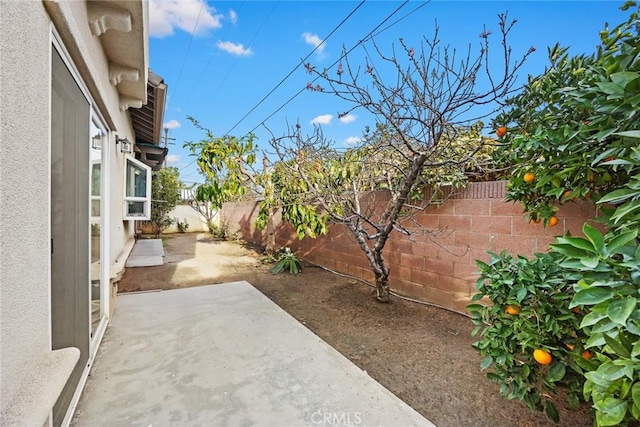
(146, 214)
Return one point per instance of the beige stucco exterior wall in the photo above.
(88, 55)
(29, 370)
(24, 191)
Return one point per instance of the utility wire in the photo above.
(371, 34)
(288, 75)
(296, 67)
(186, 53)
(250, 43)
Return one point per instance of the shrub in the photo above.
(183, 226)
(537, 293)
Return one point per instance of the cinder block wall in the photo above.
(438, 268)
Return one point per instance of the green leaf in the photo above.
(610, 88)
(594, 236)
(621, 240)
(556, 372)
(578, 242)
(625, 209)
(603, 326)
(616, 346)
(570, 250)
(591, 319)
(623, 78)
(610, 411)
(629, 134)
(617, 196)
(486, 362)
(635, 394)
(611, 372)
(552, 412)
(590, 262)
(620, 310)
(591, 296)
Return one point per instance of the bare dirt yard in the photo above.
(421, 353)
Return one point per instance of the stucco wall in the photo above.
(24, 191)
(439, 269)
(26, 359)
(197, 223)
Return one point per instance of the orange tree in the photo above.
(575, 130)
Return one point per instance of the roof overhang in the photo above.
(147, 120)
(127, 48)
(151, 155)
(121, 28)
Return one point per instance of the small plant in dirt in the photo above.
(530, 337)
(183, 226)
(219, 231)
(285, 260)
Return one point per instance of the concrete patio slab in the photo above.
(225, 355)
(146, 253)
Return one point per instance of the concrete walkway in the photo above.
(146, 253)
(225, 355)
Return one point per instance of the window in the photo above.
(137, 193)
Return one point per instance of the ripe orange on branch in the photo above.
(513, 309)
(553, 221)
(501, 131)
(529, 177)
(542, 357)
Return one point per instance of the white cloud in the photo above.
(314, 41)
(348, 118)
(352, 140)
(165, 16)
(233, 16)
(172, 124)
(173, 159)
(324, 119)
(237, 49)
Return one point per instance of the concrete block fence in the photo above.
(437, 268)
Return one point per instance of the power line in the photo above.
(204, 70)
(250, 43)
(296, 67)
(367, 37)
(370, 35)
(186, 53)
(290, 73)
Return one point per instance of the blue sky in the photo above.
(219, 59)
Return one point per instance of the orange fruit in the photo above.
(587, 354)
(535, 221)
(576, 310)
(553, 221)
(567, 195)
(542, 357)
(529, 177)
(501, 131)
(513, 309)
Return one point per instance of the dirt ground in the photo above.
(422, 354)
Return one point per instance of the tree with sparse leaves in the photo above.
(424, 142)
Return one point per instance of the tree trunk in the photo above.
(271, 235)
(382, 288)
